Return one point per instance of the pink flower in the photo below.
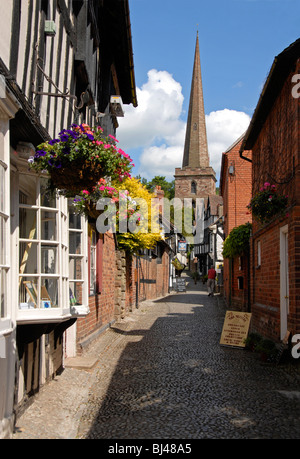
(85, 192)
(266, 184)
(112, 137)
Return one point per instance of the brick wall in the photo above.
(236, 190)
(102, 305)
(276, 159)
(153, 276)
(121, 275)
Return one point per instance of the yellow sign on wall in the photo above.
(235, 328)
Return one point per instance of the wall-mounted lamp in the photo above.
(116, 106)
(231, 170)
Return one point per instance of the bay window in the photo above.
(93, 261)
(4, 238)
(48, 281)
(77, 261)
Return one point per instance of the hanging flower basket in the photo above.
(82, 175)
(128, 208)
(267, 204)
(79, 157)
(86, 201)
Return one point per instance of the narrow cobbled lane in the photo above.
(167, 377)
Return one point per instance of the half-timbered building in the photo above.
(61, 61)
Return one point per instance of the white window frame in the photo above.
(34, 312)
(258, 254)
(5, 319)
(8, 108)
(93, 262)
(80, 309)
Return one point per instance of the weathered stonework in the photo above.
(196, 179)
(204, 181)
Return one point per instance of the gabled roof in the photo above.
(213, 202)
(223, 160)
(280, 70)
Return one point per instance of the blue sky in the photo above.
(239, 40)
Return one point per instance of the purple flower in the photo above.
(90, 136)
(51, 162)
(53, 141)
(40, 153)
(64, 137)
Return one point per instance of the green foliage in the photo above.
(133, 242)
(237, 242)
(267, 203)
(159, 180)
(78, 151)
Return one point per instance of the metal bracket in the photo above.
(59, 93)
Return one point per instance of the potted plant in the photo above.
(267, 203)
(267, 350)
(252, 341)
(79, 157)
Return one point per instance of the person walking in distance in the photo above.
(211, 281)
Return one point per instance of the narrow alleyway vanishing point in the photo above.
(162, 374)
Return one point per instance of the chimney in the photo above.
(160, 194)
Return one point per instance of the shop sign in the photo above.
(235, 328)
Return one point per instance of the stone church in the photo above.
(195, 179)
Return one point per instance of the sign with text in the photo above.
(180, 285)
(182, 246)
(235, 328)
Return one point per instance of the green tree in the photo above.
(168, 187)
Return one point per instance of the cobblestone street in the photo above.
(162, 374)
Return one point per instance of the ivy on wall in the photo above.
(237, 242)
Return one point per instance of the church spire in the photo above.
(196, 149)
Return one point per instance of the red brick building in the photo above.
(273, 136)
(121, 282)
(236, 190)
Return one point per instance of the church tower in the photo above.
(195, 179)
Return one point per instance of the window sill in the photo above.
(5, 327)
(80, 311)
(35, 316)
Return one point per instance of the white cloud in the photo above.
(156, 128)
(224, 127)
(157, 117)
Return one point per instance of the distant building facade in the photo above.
(236, 191)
